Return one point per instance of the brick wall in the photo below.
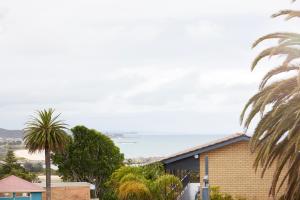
(231, 168)
(69, 193)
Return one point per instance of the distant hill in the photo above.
(11, 133)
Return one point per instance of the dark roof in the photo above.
(238, 137)
(16, 184)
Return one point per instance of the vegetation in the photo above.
(215, 194)
(144, 183)
(276, 137)
(12, 167)
(90, 156)
(45, 132)
(34, 167)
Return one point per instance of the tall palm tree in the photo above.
(276, 138)
(45, 132)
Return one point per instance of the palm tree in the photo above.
(276, 138)
(45, 132)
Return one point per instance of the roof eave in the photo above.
(27, 191)
(206, 149)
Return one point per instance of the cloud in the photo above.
(132, 65)
(203, 29)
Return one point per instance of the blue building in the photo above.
(15, 188)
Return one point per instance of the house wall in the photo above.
(231, 168)
(189, 163)
(69, 193)
(34, 196)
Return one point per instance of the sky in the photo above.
(160, 66)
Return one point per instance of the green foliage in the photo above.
(34, 167)
(240, 198)
(168, 187)
(153, 171)
(276, 104)
(132, 177)
(215, 194)
(134, 190)
(89, 156)
(144, 182)
(12, 167)
(45, 131)
(109, 195)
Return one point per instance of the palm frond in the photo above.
(276, 138)
(288, 13)
(45, 131)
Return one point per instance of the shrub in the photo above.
(134, 190)
(215, 194)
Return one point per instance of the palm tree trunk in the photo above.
(48, 174)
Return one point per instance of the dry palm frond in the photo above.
(278, 70)
(282, 36)
(276, 138)
(288, 13)
(289, 52)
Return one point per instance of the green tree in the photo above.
(168, 187)
(45, 132)
(276, 137)
(90, 156)
(12, 167)
(34, 167)
(144, 182)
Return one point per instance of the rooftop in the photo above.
(16, 184)
(237, 137)
(67, 184)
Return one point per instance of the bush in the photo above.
(215, 194)
(144, 183)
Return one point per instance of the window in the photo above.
(6, 194)
(22, 194)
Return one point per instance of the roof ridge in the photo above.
(213, 142)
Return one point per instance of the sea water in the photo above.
(134, 146)
(143, 145)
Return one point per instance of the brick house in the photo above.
(68, 191)
(230, 167)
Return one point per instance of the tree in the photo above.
(168, 187)
(276, 137)
(34, 167)
(144, 182)
(45, 132)
(12, 167)
(90, 156)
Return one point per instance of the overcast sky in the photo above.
(168, 66)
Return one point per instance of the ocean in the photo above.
(159, 145)
(139, 145)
